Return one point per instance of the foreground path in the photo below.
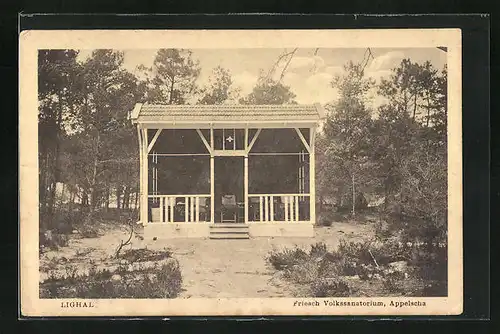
(224, 268)
(238, 268)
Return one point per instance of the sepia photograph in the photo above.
(313, 173)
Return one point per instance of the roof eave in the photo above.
(228, 124)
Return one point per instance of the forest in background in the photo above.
(396, 154)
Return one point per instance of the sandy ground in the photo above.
(210, 268)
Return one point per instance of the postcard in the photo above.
(240, 172)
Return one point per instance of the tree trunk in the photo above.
(61, 202)
(415, 106)
(428, 111)
(107, 199)
(118, 196)
(353, 197)
(94, 192)
(71, 201)
(43, 185)
(124, 199)
(55, 164)
(172, 91)
(85, 199)
(128, 190)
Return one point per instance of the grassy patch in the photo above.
(371, 268)
(161, 280)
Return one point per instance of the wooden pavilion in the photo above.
(227, 171)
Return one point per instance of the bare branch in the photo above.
(123, 244)
(280, 58)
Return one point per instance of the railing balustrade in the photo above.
(179, 208)
(261, 208)
(278, 207)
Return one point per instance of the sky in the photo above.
(309, 73)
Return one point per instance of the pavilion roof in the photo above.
(227, 114)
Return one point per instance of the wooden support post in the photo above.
(162, 209)
(212, 191)
(286, 208)
(197, 209)
(260, 208)
(186, 212)
(272, 208)
(171, 201)
(266, 215)
(296, 204)
(191, 209)
(245, 146)
(245, 178)
(145, 179)
(212, 178)
(141, 185)
(312, 177)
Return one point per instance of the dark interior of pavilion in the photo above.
(278, 163)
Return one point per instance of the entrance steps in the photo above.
(229, 231)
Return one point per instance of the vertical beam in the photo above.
(286, 207)
(272, 208)
(246, 139)
(212, 138)
(266, 211)
(245, 179)
(312, 177)
(141, 185)
(296, 204)
(162, 209)
(260, 208)
(197, 209)
(171, 201)
(145, 177)
(186, 203)
(191, 209)
(212, 178)
(212, 191)
(223, 140)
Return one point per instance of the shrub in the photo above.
(330, 287)
(318, 250)
(157, 282)
(286, 258)
(164, 282)
(89, 231)
(327, 218)
(52, 240)
(144, 254)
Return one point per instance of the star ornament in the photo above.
(229, 139)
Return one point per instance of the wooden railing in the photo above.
(278, 207)
(179, 208)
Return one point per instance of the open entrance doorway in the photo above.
(229, 190)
